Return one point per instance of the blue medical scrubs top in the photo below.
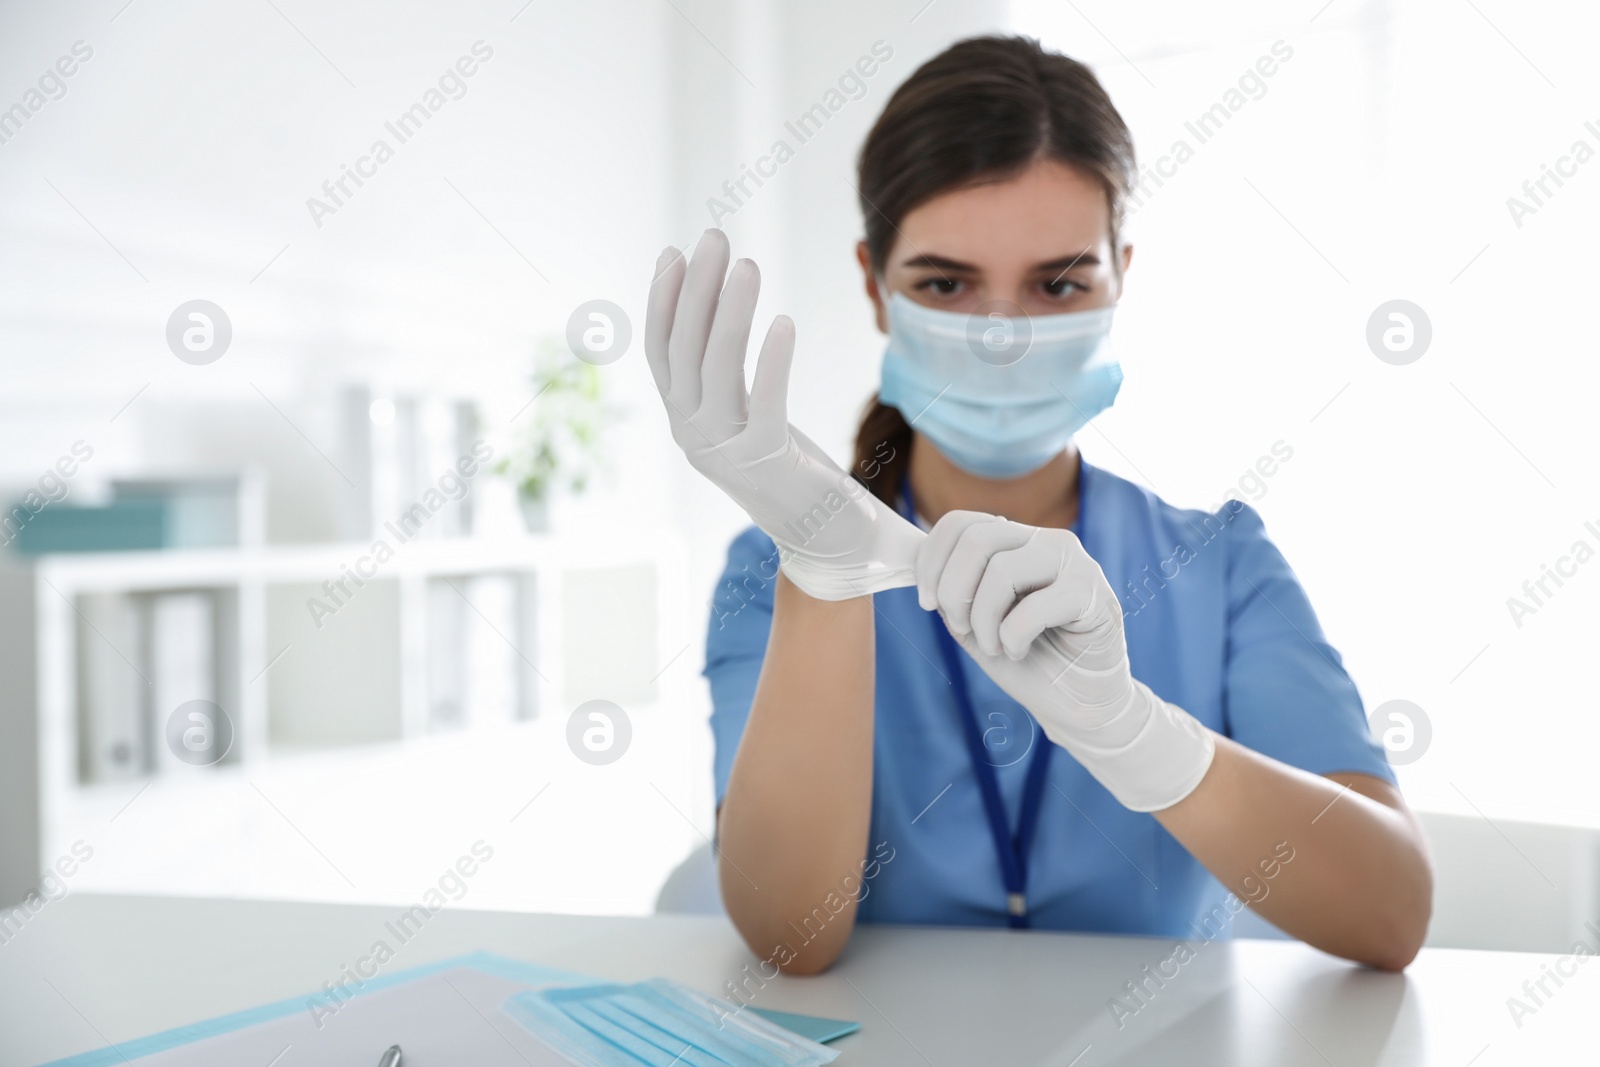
(1216, 623)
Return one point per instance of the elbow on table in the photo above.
(767, 921)
(808, 963)
(1403, 945)
(1397, 960)
(777, 950)
(1403, 927)
(793, 950)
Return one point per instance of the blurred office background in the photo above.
(1339, 156)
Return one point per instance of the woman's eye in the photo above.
(942, 286)
(1063, 287)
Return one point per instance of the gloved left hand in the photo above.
(835, 539)
(1035, 611)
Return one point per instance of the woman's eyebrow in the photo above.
(940, 263)
(1066, 263)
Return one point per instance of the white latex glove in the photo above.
(835, 539)
(1035, 611)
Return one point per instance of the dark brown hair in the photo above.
(981, 111)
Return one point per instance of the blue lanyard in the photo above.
(1011, 849)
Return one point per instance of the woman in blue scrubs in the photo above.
(872, 764)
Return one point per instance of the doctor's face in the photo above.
(1040, 241)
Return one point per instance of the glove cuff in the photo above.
(1166, 759)
(886, 558)
(842, 583)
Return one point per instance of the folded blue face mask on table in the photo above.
(660, 1023)
(999, 396)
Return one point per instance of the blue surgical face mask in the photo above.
(999, 396)
(657, 1023)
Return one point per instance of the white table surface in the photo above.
(91, 969)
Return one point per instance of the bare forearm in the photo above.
(795, 817)
(1359, 884)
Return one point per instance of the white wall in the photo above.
(191, 141)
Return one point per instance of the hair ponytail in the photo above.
(883, 450)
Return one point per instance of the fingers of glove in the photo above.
(691, 323)
(722, 390)
(935, 552)
(1079, 601)
(1010, 576)
(769, 395)
(659, 313)
(958, 585)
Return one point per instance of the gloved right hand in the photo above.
(1035, 611)
(835, 539)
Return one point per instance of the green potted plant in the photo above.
(557, 440)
